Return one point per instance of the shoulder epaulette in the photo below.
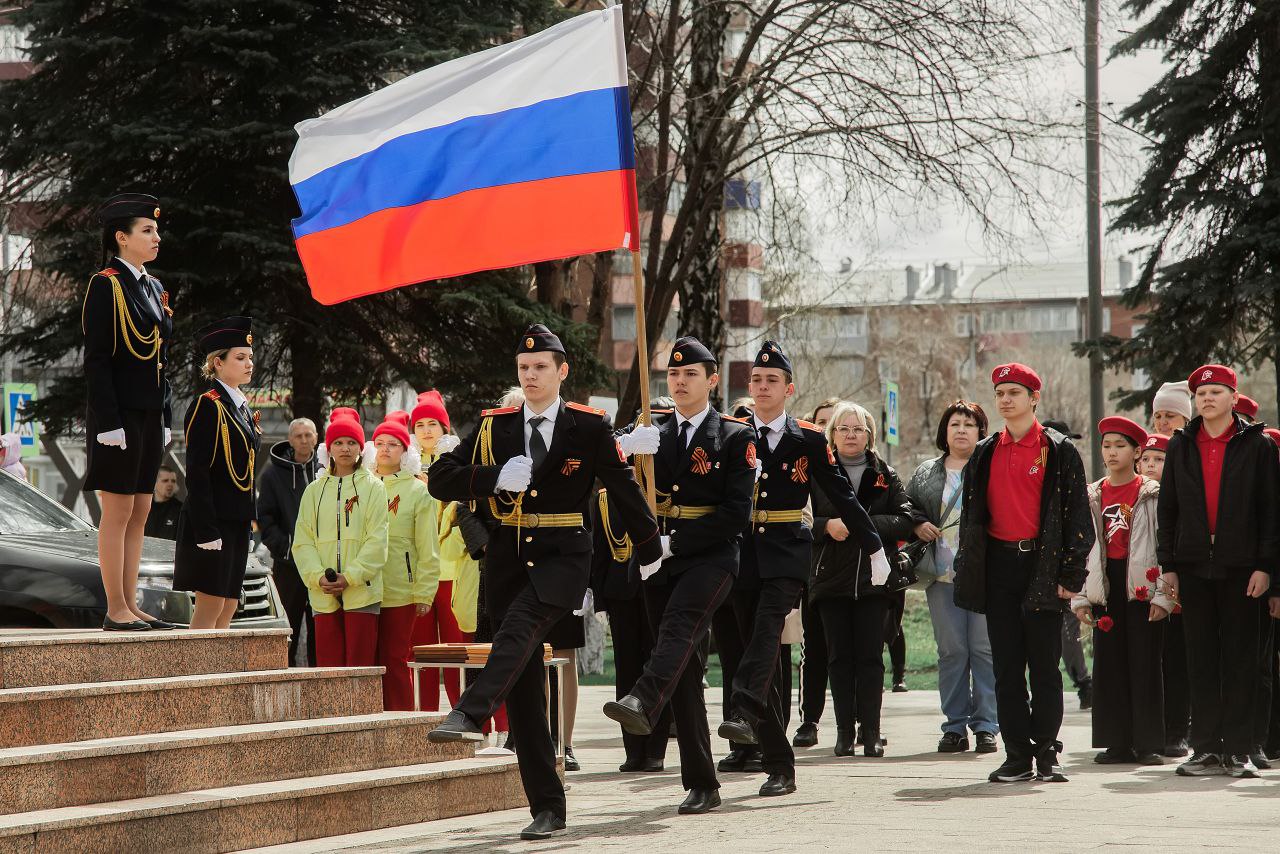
(808, 425)
(505, 410)
(582, 407)
(109, 271)
(212, 394)
(732, 418)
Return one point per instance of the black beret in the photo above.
(224, 334)
(689, 351)
(126, 205)
(771, 356)
(539, 339)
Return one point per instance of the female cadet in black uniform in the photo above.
(126, 322)
(222, 446)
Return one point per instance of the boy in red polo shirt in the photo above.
(1025, 533)
(1218, 543)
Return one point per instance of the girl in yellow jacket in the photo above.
(340, 547)
(412, 571)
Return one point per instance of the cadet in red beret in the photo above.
(1019, 572)
(1151, 458)
(1219, 543)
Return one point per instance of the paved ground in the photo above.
(912, 800)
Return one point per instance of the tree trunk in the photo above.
(307, 400)
(551, 283)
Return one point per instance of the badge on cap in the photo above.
(1206, 376)
(1151, 440)
(764, 357)
(528, 342)
(677, 356)
(248, 339)
(1004, 372)
(156, 214)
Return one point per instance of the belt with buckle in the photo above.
(1017, 545)
(544, 520)
(686, 511)
(777, 516)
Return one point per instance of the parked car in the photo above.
(49, 575)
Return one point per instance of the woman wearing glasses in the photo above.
(854, 610)
(966, 681)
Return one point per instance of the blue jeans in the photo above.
(966, 680)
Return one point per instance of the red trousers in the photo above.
(395, 648)
(346, 639)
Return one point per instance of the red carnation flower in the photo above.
(1105, 624)
(1177, 609)
(1153, 573)
(1142, 593)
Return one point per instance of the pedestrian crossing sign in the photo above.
(16, 398)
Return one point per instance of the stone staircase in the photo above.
(203, 741)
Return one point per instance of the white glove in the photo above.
(168, 436)
(649, 569)
(515, 475)
(879, 568)
(215, 546)
(643, 439)
(447, 443)
(586, 604)
(759, 468)
(113, 438)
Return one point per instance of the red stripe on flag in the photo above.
(486, 229)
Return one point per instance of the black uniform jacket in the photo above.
(216, 484)
(117, 378)
(556, 560)
(801, 460)
(611, 578)
(717, 470)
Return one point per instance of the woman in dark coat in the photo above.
(855, 606)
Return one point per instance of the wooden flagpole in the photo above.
(644, 462)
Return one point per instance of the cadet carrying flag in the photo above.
(518, 154)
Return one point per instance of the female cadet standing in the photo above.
(126, 323)
(412, 570)
(222, 448)
(340, 547)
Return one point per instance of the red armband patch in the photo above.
(751, 454)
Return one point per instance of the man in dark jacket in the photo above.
(293, 466)
(1025, 533)
(1218, 541)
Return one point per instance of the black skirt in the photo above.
(130, 470)
(1128, 684)
(569, 633)
(215, 573)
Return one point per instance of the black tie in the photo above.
(763, 450)
(537, 445)
(684, 437)
(244, 413)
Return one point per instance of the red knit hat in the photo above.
(1274, 435)
(430, 405)
(1212, 375)
(1246, 406)
(1016, 373)
(344, 423)
(394, 428)
(398, 415)
(1155, 442)
(1126, 427)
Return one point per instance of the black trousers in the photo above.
(759, 690)
(680, 613)
(898, 642)
(1273, 730)
(297, 606)
(855, 630)
(515, 675)
(1177, 685)
(632, 644)
(1224, 630)
(813, 665)
(729, 649)
(1266, 682)
(1128, 683)
(1025, 647)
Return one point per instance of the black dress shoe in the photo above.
(646, 766)
(900, 687)
(1116, 756)
(110, 625)
(739, 759)
(806, 736)
(1177, 749)
(630, 714)
(844, 742)
(571, 761)
(778, 784)
(545, 825)
(1149, 757)
(700, 801)
(986, 742)
(454, 728)
(1260, 760)
(160, 625)
(738, 730)
(884, 742)
(873, 751)
(953, 742)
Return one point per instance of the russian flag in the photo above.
(518, 154)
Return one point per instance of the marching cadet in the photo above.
(222, 448)
(704, 469)
(531, 471)
(794, 456)
(411, 573)
(126, 323)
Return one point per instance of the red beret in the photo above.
(1274, 435)
(1156, 442)
(1016, 373)
(394, 428)
(1212, 375)
(1247, 406)
(1125, 427)
(344, 423)
(430, 405)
